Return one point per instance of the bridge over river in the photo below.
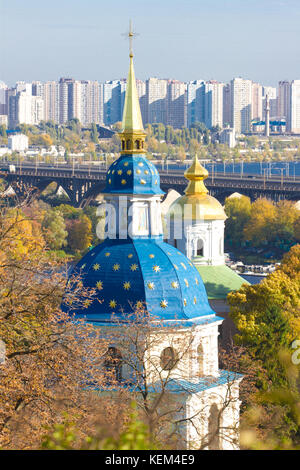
(84, 183)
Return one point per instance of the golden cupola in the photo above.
(197, 204)
(132, 134)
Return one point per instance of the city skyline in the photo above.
(219, 40)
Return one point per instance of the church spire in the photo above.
(132, 134)
(196, 174)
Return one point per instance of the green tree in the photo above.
(54, 229)
(94, 134)
(238, 210)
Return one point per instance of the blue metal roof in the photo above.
(146, 273)
(206, 382)
(133, 174)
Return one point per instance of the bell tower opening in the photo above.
(199, 248)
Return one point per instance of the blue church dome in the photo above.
(133, 273)
(133, 174)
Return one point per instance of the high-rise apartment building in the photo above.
(113, 101)
(213, 104)
(195, 102)
(91, 102)
(283, 100)
(156, 96)
(227, 105)
(176, 104)
(3, 99)
(25, 108)
(257, 102)
(294, 121)
(241, 102)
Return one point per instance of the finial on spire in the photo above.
(130, 35)
(196, 174)
(132, 134)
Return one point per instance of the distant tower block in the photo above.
(267, 118)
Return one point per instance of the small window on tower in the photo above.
(128, 144)
(168, 358)
(123, 144)
(137, 144)
(113, 364)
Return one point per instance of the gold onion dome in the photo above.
(197, 204)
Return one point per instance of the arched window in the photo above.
(123, 144)
(113, 364)
(137, 144)
(199, 247)
(200, 357)
(214, 428)
(128, 144)
(168, 358)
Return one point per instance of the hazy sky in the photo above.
(182, 39)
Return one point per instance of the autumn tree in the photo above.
(79, 234)
(267, 316)
(258, 229)
(48, 357)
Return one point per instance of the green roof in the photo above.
(220, 280)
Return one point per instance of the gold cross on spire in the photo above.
(130, 35)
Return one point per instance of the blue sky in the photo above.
(204, 39)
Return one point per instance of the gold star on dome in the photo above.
(163, 304)
(87, 303)
(120, 172)
(133, 267)
(156, 268)
(151, 285)
(112, 172)
(109, 181)
(175, 266)
(123, 182)
(112, 303)
(183, 265)
(168, 253)
(83, 266)
(151, 256)
(116, 267)
(126, 164)
(96, 266)
(107, 254)
(143, 181)
(129, 172)
(139, 304)
(146, 172)
(152, 172)
(195, 300)
(184, 302)
(126, 285)
(155, 182)
(138, 172)
(141, 164)
(197, 282)
(186, 282)
(174, 284)
(99, 285)
(130, 255)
